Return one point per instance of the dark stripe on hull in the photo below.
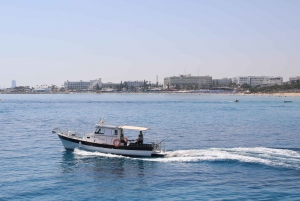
(69, 149)
(145, 147)
(157, 155)
(68, 139)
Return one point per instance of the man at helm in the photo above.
(122, 139)
(140, 138)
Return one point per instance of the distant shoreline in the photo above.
(284, 94)
(272, 94)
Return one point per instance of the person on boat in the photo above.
(122, 139)
(140, 138)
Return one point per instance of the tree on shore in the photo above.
(272, 89)
(97, 87)
(145, 86)
(245, 86)
(120, 86)
(126, 86)
(62, 89)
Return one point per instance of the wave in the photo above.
(89, 154)
(259, 155)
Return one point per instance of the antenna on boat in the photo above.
(101, 121)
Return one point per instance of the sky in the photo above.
(50, 42)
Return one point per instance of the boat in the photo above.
(107, 139)
(236, 100)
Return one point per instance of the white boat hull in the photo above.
(71, 144)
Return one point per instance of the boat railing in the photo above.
(159, 146)
(67, 133)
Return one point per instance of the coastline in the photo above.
(277, 94)
(285, 94)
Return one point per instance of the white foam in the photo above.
(260, 155)
(88, 154)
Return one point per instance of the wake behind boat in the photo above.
(111, 139)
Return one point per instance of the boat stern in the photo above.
(159, 150)
(158, 154)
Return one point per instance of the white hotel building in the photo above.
(294, 79)
(240, 80)
(258, 80)
(221, 82)
(200, 81)
(135, 84)
(82, 85)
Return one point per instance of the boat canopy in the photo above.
(134, 128)
(106, 126)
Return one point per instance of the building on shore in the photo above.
(240, 80)
(258, 80)
(126, 85)
(188, 82)
(82, 85)
(294, 79)
(221, 82)
(269, 81)
(110, 85)
(18, 89)
(13, 84)
(41, 90)
(134, 84)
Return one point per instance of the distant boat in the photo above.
(236, 100)
(287, 101)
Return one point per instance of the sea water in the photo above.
(217, 149)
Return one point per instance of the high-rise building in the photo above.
(13, 84)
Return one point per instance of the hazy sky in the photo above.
(49, 42)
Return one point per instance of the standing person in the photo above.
(140, 138)
(122, 139)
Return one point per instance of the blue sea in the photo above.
(217, 149)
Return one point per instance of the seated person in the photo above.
(140, 138)
(122, 139)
